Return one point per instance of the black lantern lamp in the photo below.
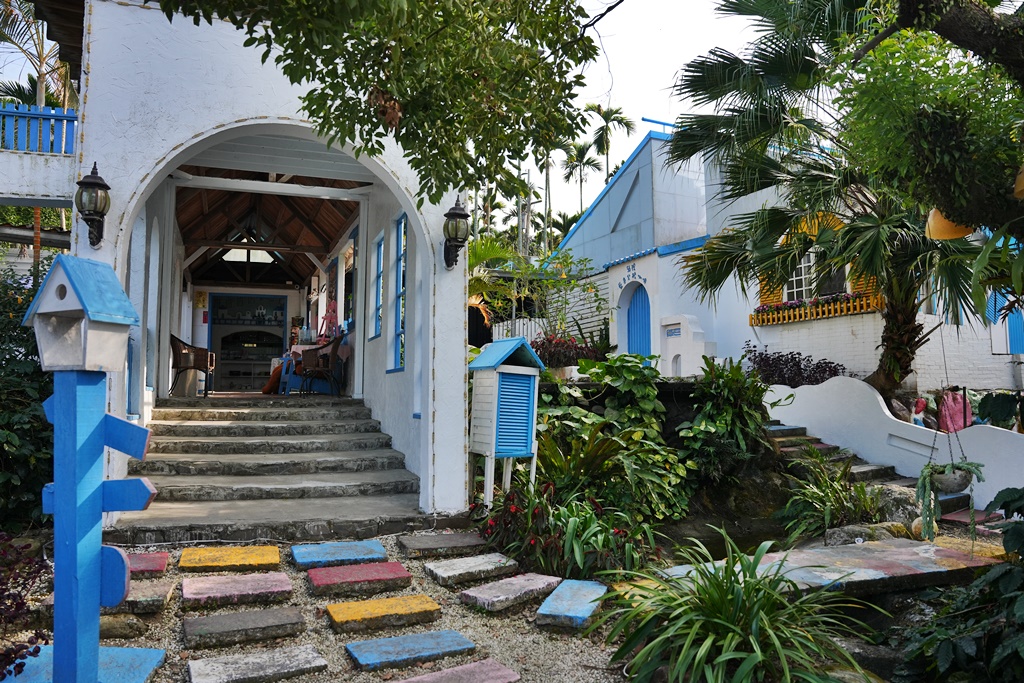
(456, 232)
(93, 201)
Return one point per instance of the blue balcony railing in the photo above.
(48, 130)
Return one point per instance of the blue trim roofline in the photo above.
(651, 135)
(631, 257)
(685, 245)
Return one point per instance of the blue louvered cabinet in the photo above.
(503, 424)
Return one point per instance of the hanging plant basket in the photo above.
(955, 482)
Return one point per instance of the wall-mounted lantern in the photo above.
(456, 233)
(93, 202)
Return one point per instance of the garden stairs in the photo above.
(792, 441)
(286, 468)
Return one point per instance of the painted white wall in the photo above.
(35, 179)
(680, 198)
(847, 412)
(850, 339)
(965, 354)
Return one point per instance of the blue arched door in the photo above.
(638, 323)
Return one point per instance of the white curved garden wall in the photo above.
(847, 412)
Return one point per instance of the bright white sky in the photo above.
(644, 44)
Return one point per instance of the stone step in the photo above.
(366, 615)
(499, 595)
(221, 630)
(948, 502)
(963, 516)
(441, 545)
(250, 428)
(868, 472)
(572, 605)
(785, 430)
(263, 666)
(407, 650)
(235, 589)
(278, 413)
(465, 569)
(230, 559)
(242, 464)
(256, 487)
(144, 597)
(797, 451)
(338, 553)
(269, 444)
(484, 671)
(256, 401)
(294, 519)
(147, 565)
(359, 579)
(798, 441)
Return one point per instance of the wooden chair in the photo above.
(188, 357)
(323, 368)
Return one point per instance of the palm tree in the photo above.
(578, 163)
(773, 129)
(483, 254)
(608, 119)
(22, 93)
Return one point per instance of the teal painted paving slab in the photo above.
(117, 665)
(572, 604)
(338, 553)
(383, 653)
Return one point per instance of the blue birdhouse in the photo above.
(81, 317)
(506, 376)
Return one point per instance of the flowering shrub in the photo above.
(810, 303)
(793, 368)
(575, 539)
(557, 352)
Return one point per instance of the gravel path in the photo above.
(509, 637)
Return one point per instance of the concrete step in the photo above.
(484, 671)
(407, 650)
(797, 451)
(269, 444)
(319, 485)
(572, 605)
(252, 558)
(515, 590)
(784, 430)
(441, 545)
(465, 569)
(798, 441)
(369, 615)
(295, 519)
(263, 666)
(184, 429)
(867, 472)
(221, 630)
(359, 579)
(199, 592)
(256, 401)
(241, 464)
(307, 556)
(260, 414)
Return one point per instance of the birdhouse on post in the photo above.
(81, 317)
(506, 379)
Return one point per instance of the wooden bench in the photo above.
(188, 357)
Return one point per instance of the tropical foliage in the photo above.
(579, 163)
(740, 619)
(608, 119)
(793, 369)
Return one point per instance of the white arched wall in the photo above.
(189, 87)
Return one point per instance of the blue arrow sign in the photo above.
(127, 494)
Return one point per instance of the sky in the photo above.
(644, 44)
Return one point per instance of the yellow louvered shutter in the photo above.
(769, 296)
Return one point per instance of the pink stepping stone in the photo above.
(147, 565)
(235, 589)
(964, 516)
(359, 579)
(485, 671)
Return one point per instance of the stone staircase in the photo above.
(283, 468)
(793, 440)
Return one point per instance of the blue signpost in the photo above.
(81, 317)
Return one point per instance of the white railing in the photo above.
(847, 412)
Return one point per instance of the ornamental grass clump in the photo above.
(741, 619)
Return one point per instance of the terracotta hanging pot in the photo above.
(939, 227)
(952, 483)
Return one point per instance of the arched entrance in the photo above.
(638, 323)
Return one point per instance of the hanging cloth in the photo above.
(952, 412)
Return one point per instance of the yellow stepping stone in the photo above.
(979, 548)
(249, 558)
(363, 615)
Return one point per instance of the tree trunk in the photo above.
(902, 336)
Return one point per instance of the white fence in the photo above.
(847, 412)
(520, 327)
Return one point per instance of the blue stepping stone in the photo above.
(383, 653)
(571, 605)
(334, 554)
(121, 664)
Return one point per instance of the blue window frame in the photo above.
(378, 289)
(401, 229)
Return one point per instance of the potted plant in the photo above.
(952, 477)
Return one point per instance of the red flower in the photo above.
(513, 508)
(533, 541)
(536, 511)
(490, 522)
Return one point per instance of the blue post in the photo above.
(80, 406)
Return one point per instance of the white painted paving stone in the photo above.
(260, 667)
(506, 593)
(466, 569)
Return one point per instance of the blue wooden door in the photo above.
(638, 323)
(516, 421)
(1014, 322)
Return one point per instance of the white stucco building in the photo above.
(208, 155)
